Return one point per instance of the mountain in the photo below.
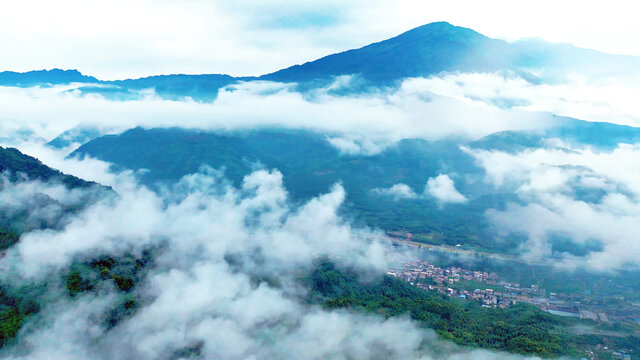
(311, 165)
(558, 60)
(44, 77)
(423, 51)
(441, 47)
(199, 87)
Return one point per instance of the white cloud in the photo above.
(398, 192)
(442, 188)
(613, 222)
(548, 168)
(551, 182)
(345, 146)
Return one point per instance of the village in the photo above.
(494, 292)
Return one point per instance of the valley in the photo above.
(432, 193)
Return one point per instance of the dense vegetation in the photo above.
(123, 274)
(17, 305)
(7, 238)
(20, 303)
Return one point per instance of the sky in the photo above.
(133, 38)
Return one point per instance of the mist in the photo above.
(38, 114)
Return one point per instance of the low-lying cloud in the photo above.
(441, 188)
(193, 298)
(580, 193)
(397, 192)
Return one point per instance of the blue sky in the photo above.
(119, 38)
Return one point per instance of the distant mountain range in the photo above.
(311, 165)
(424, 51)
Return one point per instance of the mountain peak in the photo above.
(438, 26)
(422, 51)
(443, 28)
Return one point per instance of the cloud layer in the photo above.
(362, 121)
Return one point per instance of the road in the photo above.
(524, 259)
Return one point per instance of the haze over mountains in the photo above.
(250, 216)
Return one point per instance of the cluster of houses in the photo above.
(430, 277)
(491, 291)
(494, 292)
(498, 293)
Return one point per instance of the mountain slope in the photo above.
(16, 164)
(577, 132)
